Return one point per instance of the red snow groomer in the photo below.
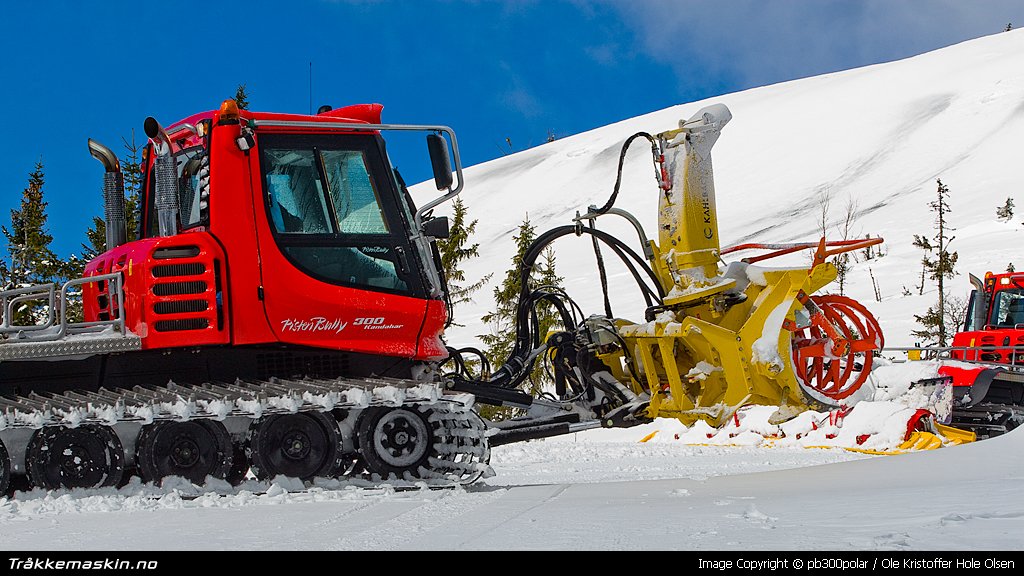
(282, 299)
(989, 398)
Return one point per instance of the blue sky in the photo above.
(490, 69)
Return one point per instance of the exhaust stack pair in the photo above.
(113, 187)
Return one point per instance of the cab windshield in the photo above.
(1007, 308)
(302, 201)
(327, 201)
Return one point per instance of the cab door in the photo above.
(337, 266)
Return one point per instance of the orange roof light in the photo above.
(228, 111)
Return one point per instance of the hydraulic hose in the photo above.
(519, 362)
(602, 274)
(517, 365)
(655, 150)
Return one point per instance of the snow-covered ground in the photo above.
(594, 491)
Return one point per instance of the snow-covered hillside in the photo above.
(878, 136)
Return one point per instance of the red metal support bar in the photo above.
(788, 248)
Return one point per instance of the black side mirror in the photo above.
(438, 148)
(437, 227)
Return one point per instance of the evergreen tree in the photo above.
(931, 321)
(934, 325)
(454, 251)
(869, 252)
(843, 268)
(506, 296)
(5, 277)
(28, 244)
(942, 267)
(133, 170)
(548, 319)
(548, 278)
(1009, 26)
(1010, 268)
(843, 262)
(241, 98)
(1005, 212)
(924, 244)
(945, 261)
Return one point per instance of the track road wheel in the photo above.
(192, 450)
(88, 456)
(5, 470)
(833, 356)
(395, 441)
(303, 445)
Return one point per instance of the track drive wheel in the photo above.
(5, 470)
(192, 450)
(395, 441)
(833, 356)
(88, 456)
(305, 445)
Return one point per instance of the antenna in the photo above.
(311, 88)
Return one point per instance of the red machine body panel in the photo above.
(233, 219)
(305, 311)
(173, 290)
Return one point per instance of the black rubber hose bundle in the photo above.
(518, 365)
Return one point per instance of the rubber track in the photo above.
(460, 453)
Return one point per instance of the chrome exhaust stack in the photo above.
(113, 194)
(166, 199)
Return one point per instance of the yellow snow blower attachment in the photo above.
(717, 337)
(738, 335)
